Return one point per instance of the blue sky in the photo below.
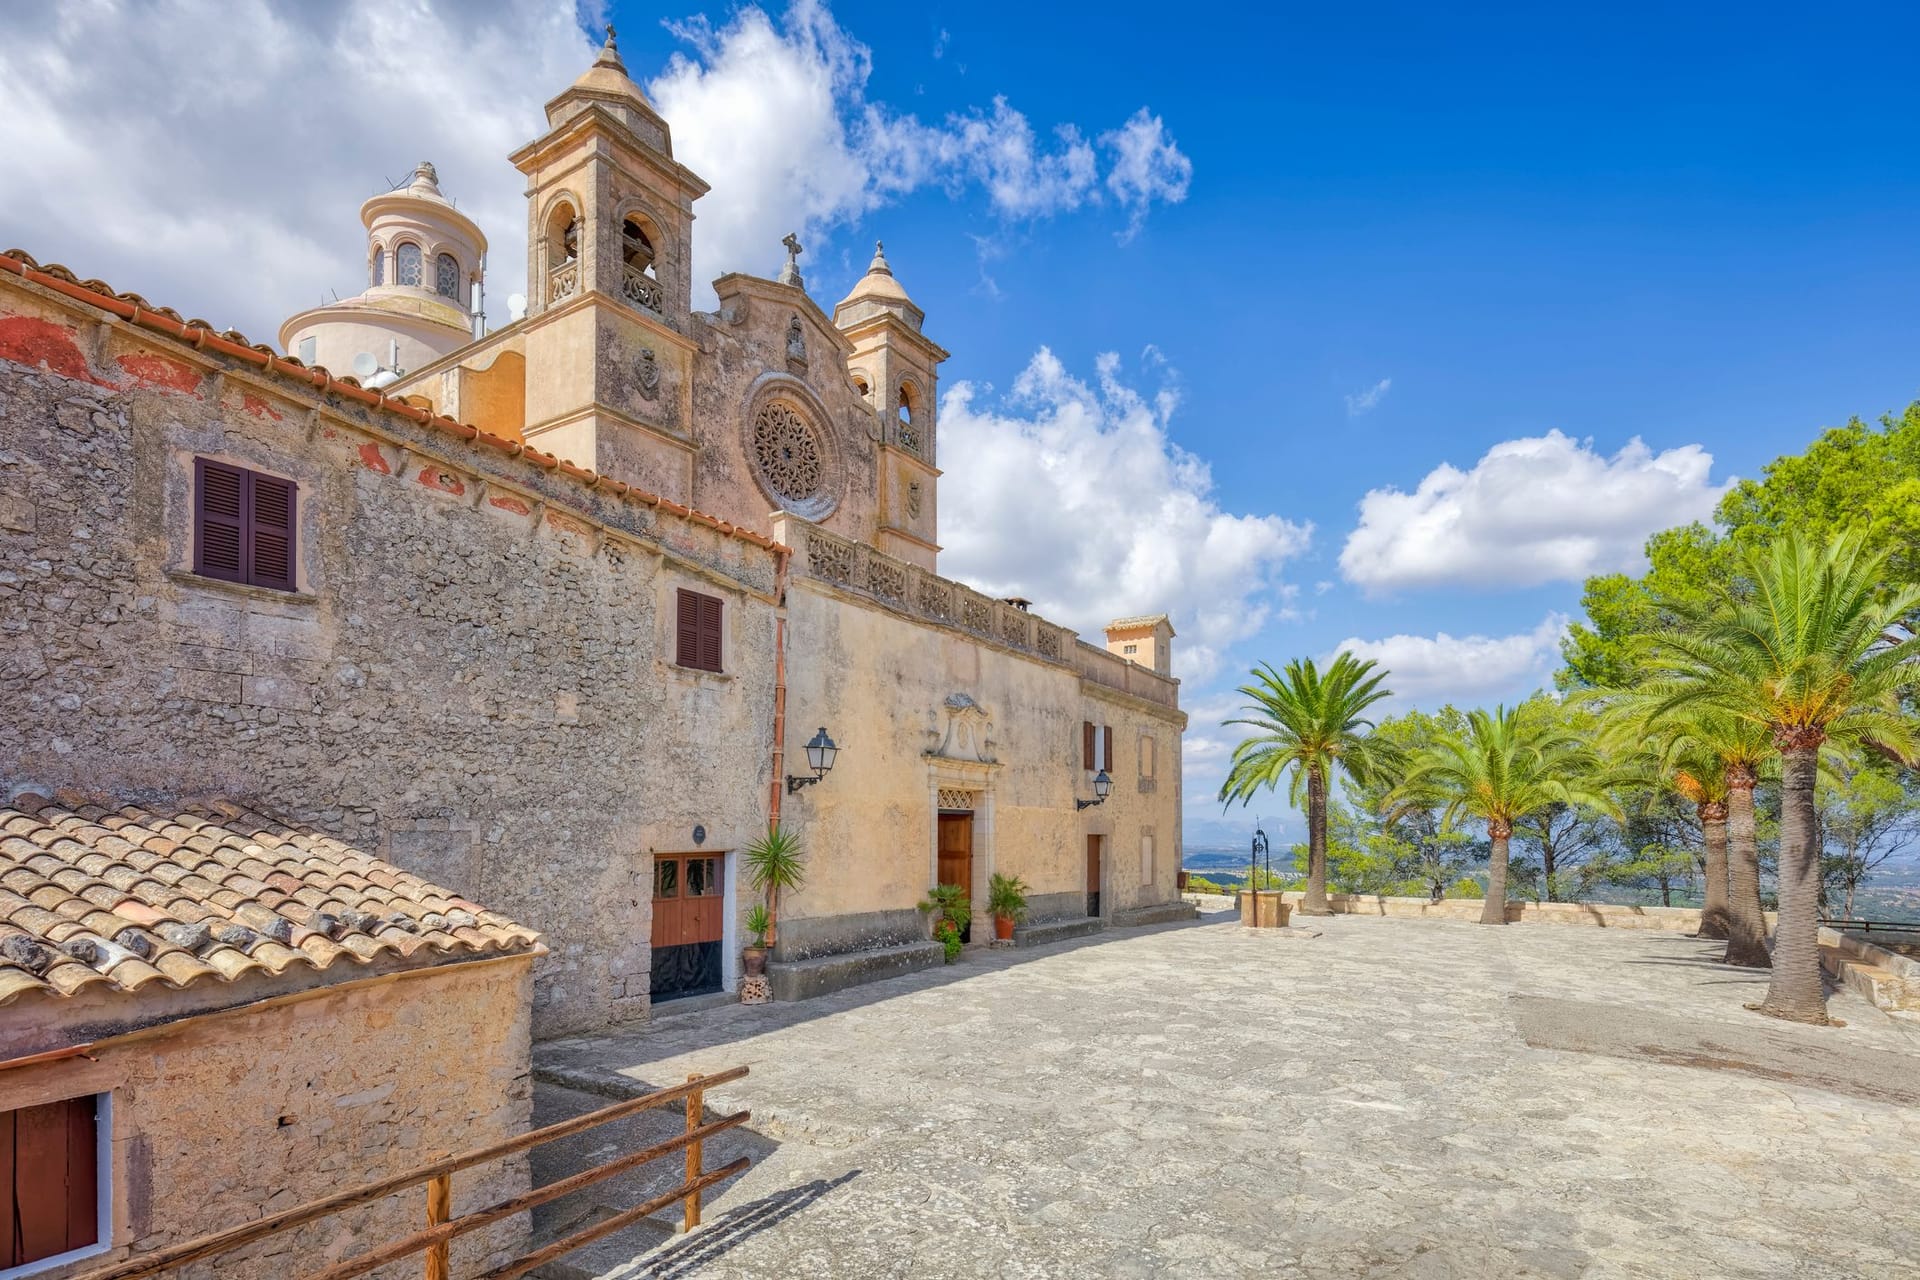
(1373, 243)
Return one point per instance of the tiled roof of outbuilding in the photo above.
(133, 898)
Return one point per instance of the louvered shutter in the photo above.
(219, 520)
(1086, 745)
(687, 630)
(1106, 749)
(709, 633)
(271, 516)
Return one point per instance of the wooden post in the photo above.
(439, 1210)
(696, 1108)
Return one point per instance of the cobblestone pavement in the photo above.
(1389, 1098)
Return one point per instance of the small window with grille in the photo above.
(408, 265)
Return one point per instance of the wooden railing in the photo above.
(442, 1227)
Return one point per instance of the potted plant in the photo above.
(772, 863)
(754, 957)
(950, 908)
(1007, 901)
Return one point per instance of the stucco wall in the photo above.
(880, 680)
(476, 680)
(218, 1119)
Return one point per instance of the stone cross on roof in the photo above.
(790, 274)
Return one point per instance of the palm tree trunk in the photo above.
(1494, 909)
(1796, 990)
(1713, 913)
(1746, 923)
(1315, 903)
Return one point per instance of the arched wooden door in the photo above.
(688, 902)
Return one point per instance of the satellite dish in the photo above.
(516, 305)
(364, 365)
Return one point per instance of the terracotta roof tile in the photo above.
(142, 900)
(137, 310)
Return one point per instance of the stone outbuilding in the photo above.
(207, 1015)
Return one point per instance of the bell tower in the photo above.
(894, 366)
(609, 284)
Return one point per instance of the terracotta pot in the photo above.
(1003, 928)
(754, 960)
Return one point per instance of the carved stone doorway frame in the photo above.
(948, 781)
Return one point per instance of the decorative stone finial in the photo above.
(879, 267)
(426, 173)
(790, 274)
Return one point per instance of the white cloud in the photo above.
(1074, 496)
(1147, 167)
(774, 114)
(1364, 401)
(212, 154)
(1468, 671)
(1541, 509)
(139, 155)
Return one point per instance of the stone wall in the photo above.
(221, 1118)
(475, 679)
(1599, 915)
(933, 712)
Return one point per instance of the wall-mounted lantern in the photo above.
(1102, 788)
(820, 753)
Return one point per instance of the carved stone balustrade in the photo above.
(910, 590)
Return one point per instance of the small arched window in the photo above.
(377, 273)
(906, 402)
(860, 385)
(636, 246)
(563, 236)
(446, 277)
(408, 265)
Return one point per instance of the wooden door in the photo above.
(956, 856)
(688, 902)
(1093, 876)
(49, 1176)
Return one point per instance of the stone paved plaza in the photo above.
(1389, 1098)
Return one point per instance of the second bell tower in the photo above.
(609, 284)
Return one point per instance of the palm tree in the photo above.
(1715, 762)
(1309, 725)
(1813, 648)
(1505, 766)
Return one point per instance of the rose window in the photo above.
(787, 451)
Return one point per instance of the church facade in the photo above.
(549, 614)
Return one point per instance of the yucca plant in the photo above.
(1815, 647)
(774, 863)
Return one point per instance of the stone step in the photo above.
(1884, 988)
(1040, 933)
(1159, 913)
(822, 975)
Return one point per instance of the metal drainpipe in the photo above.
(778, 788)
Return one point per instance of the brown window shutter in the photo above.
(687, 630)
(219, 520)
(709, 633)
(1106, 748)
(52, 1184)
(271, 516)
(1086, 745)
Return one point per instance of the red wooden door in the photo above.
(688, 902)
